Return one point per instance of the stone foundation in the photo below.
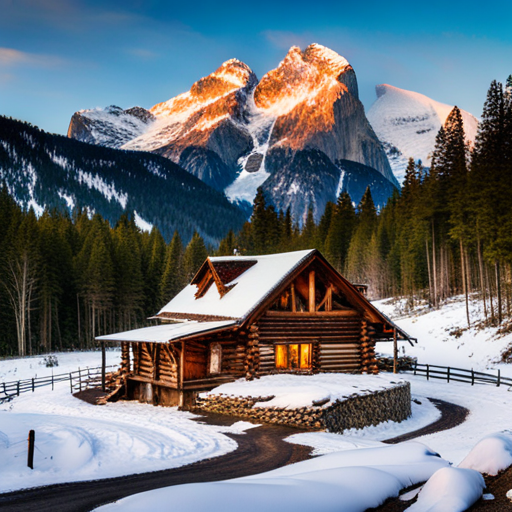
(356, 411)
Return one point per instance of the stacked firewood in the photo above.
(369, 363)
(252, 355)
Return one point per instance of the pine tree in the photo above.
(323, 226)
(358, 258)
(227, 245)
(173, 277)
(308, 234)
(128, 273)
(340, 232)
(154, 250)
(194, 257)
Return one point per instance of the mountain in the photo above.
(42, 170)
(111, 127)
(407, 124)
(287, 132)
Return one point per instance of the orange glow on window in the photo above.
(305, 356)
(291, 357)
(281, 356)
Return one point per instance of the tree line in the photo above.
(65, 279)
(448, 232)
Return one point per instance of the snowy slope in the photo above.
(444, 338)
(407, 123)
(111, 126)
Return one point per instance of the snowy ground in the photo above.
(443, 336)
(296, 391)
(364, 471)
(78, 441)
(14, 369)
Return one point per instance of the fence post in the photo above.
(472, 377)
(79, 379)
(448, 374)
(33, 387)
(71, 382)
(31, 440)
(428, 372)
(415, 366)
(52, 379)
(499, 377)
(18, 388)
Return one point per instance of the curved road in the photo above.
(259, 449)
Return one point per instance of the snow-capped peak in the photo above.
(328, 56)
(407, 123)
(307, 76)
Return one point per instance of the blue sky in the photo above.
(59, 56)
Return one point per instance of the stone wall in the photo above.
(357, 411)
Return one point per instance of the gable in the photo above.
(241, 284)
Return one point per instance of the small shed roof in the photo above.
(168, 332)
(258, 278)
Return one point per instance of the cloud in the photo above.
(142, 53)
(10, 57)
(285, 40)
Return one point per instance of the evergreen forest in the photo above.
(448, 231)
(65, 279)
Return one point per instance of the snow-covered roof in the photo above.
(167, 332)
(246, 291)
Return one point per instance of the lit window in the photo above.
(290, 357)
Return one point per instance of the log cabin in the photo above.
(247, 316)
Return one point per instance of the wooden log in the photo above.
(312, 291)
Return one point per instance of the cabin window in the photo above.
(292, 357)
(215, 357)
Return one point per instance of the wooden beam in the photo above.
(156, 357)
(182, 364)
(312, 291)
(103, 363)
(294, 304)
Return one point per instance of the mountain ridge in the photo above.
(237, 133)
(43, 170)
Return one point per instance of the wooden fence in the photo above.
(447, 373)
(78, 380)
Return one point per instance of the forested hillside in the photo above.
(50, 171)
(448, 232)
(64, 280)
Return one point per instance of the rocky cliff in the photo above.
(287, 132)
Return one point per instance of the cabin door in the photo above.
(196, 357)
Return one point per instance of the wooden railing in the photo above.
(79, 380)
(447, 373)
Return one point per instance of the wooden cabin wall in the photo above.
(196, 360)
(155, 362)
(338, 337)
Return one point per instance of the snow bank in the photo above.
(76, 441)
(349, 481)
(296, 391)
(450, 490)
(491, 455)
(423, 414)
